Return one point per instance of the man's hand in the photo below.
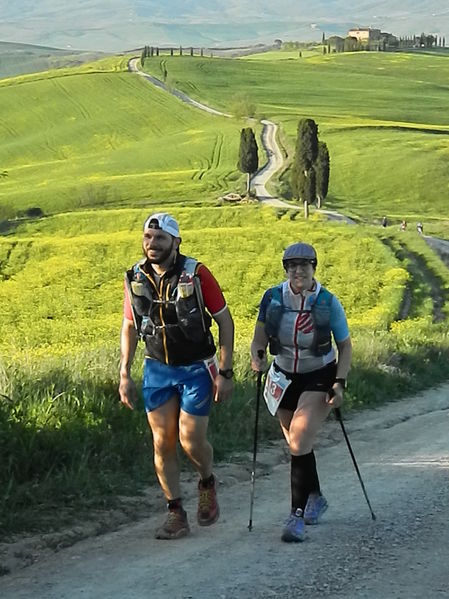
(223, 388)
(335, 396)
(128, 392)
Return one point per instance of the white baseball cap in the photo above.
(163, 221)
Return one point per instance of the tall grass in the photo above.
(67, 441)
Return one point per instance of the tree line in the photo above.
(150, 51)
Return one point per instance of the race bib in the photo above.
(212, 367)
(275, 387)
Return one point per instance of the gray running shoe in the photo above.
(174, 527)
(315, 508)
(294, 529)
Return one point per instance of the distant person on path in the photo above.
(297, 319)
(420, 228)
(384, 221)
(403, 226)
(168, 302)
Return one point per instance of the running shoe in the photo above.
(315, 508)
(208, 509)
(174, 527)
(294, 529)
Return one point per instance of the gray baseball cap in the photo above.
(163, 221)
(299, 250)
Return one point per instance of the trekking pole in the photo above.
(260, 353)
(340, 420)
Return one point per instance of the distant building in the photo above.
(365, 35)
(336, 43)
(373, 39)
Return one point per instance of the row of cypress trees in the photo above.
(311, 165)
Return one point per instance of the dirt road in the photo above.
(403, 455)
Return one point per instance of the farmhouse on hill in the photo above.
(372, 39)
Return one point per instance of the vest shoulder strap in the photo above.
(190, 265)
(276, 294)
(324, 297)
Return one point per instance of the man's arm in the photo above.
(128, 344)
(223, 386)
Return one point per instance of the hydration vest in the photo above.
(320, 312)
(173, 324)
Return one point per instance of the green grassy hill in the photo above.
(383, 116)
(100, 136)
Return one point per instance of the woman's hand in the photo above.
(335, 396)
(259, 361)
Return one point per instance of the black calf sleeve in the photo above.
(304, 479)
(314, 480)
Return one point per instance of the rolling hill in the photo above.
(18, 59)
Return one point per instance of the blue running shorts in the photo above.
(191, 383)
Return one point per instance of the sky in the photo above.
(120, 25)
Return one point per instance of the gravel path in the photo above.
(403, 455)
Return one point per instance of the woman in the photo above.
(298, 319)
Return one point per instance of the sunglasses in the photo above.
(302, 262)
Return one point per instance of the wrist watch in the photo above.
(342, 382)
(228, 373)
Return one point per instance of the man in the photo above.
(168, 302)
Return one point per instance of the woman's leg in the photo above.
(300, 429)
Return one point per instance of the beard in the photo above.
(162, 255)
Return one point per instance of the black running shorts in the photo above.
(317, 380)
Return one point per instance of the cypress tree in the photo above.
(248, 154)
(322, 171)
(302, 179)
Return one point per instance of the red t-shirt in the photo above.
(212, 294)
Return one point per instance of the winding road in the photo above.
(275, 159)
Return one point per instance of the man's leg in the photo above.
(164, 426)
(193, 439)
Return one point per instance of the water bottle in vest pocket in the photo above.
(188, 310)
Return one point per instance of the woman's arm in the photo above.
(259, 344)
